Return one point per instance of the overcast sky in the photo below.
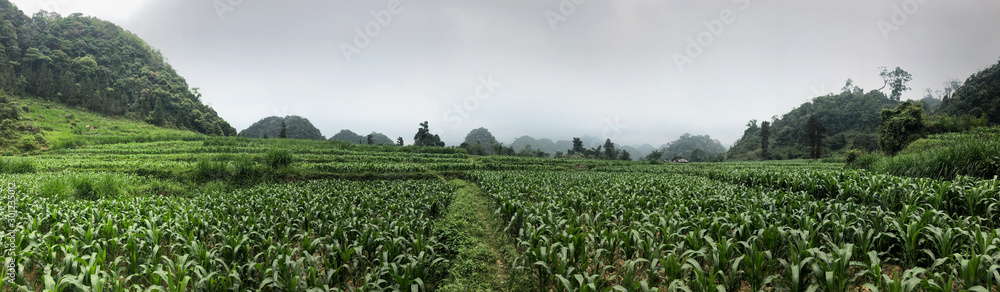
(634, 71)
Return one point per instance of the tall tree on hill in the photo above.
(284, 130)
(896, 80)
(371, 140)
(577, 146)
(424, 137)
(609, 150)
(399, 141)
(765, 135)
(815, 131)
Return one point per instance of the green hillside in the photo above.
(850, 119)
(979, 96)
(96, 65)
(296, 127)
(32, 125)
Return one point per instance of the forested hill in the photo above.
(979, 96)
(96, 65)
(850, 119)
(295, 127)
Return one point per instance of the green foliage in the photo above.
(896, 80)
(278, 158)
(483, 137)
(93, 64)
(687, 144)
(17, 165)
(978, 97)
(946, 156)
(851, 156)
(294, 127)
(425, 138)
(868, 142)
(901, 126)
(943, 123)
(850, 112)
(347, 136)
(815, 131)
(765, 139)
(923, 145)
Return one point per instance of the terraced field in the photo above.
(274, 215)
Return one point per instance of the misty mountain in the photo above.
(93, 64)
(687, 144)
(296, 127)
(550, 147)
(350, 136)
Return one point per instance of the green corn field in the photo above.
(217, 215)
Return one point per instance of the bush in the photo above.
(109, 187)
(245, 172)
(84, 188)
(278, 158)
(865, 161)
(56, 188)
(852, 155)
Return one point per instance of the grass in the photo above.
(481, 257)
(975, 153)
(17, 165)
(65, 127)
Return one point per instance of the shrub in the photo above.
(865, 161)
(109, 187)
(56, 188)
(278, 158)
(852, 155)
(245, 172)
(84, 188)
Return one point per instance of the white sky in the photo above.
(608, 61)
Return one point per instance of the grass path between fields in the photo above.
(484, 253)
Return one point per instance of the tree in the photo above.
(577, 146)
(284, 130)
(896, 80)
(399, 141)
(765, 135)
(698, 155)
(815, 131)
(609, 150)
(424, 137)
(371, 140)
(624, 155)
(655, 155)
(900, 126)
